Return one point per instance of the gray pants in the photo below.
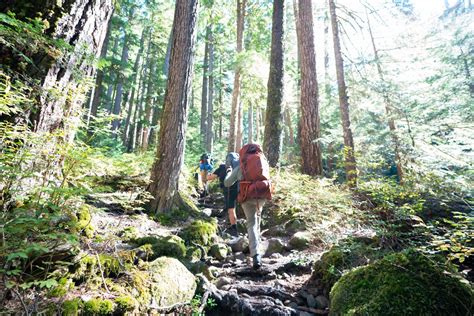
(253, 211)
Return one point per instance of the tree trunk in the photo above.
(97, 91)
(250, 119)
(205, 87)
(310, 125)
(148, 103)
(221, 105)
(273, 120)
(388, 107)
(141, 98)
(119, 85)
(238, 139)
(289, 124)
(154, 125)
(257, 125)
(170, 151)
(349, 157)
(133, 79)
(241, 7)
(166, 65)
(210, 107)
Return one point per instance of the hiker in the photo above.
(254, 189)
(205, 166)
(230, 193)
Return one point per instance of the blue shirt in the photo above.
(205, 166)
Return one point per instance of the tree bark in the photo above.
(205, 87)
(119, 84)
(238, 138)
(210, 107)
(250, 119)
(133, 79)
(273, 122)
(241, 7)
(388, 107)
(289, 124)
(170, 151)
(148, 103)
(310, 124)
(98, 87)
(349, 156)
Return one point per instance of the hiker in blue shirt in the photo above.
(205, 166)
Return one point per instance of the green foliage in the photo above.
(407, 283)
(196, 304)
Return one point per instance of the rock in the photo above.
(239, 256)
(295, 225)
(224, 281)
(219, 251)
(217, 212)
(303, 293)
(401, 282)
(321, 302)
(240, 244)
(311, 301)
(300, 240)
(293, 305)
(171, 246)
(207, 212)
(305, 314)
(276, 256)
(274, 246)
(164, 280)
(277, 230)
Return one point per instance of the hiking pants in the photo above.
(253, 211)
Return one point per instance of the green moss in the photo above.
(64, 285)
(349, 253)
(84, 221)
(71, 307)
(200, 232)
(193, 254)
(170, 246)
(129, 233)
(125, 304)
(406, 283)
(110, 265)
(98, 306)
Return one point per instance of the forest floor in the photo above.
(297, 227)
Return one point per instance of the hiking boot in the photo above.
(257, 262)
(232, 230)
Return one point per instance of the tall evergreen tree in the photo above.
(170, 151)
(274, 114)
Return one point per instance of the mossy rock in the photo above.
(219, 251)
(98, 306)
(406, 283)
(300, 240)
(193, 254)
(71, 307)
(348, 254)
(165, 281)
(169, 246)
(200, 232)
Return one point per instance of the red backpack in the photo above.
(255, 183)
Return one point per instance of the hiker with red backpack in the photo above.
(255, 188)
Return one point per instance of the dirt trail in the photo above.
(280, 287)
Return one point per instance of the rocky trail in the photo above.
(228, 282)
